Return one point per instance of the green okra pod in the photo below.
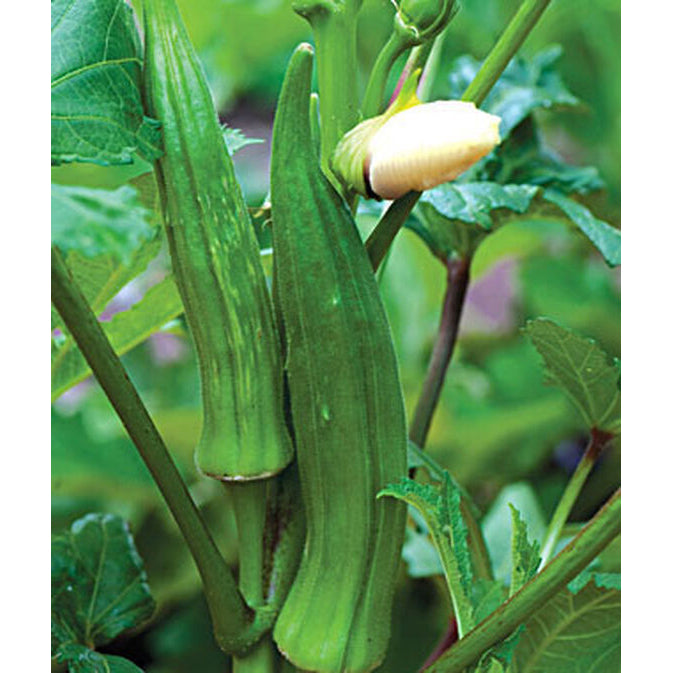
(346, 404)
(216, 262)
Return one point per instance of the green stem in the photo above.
(379, 241)
(249, 504)
(596, 445)
(235, 624)
(584, 547)
(458, 278)
(417, 59)
(504, 49)
(430, 59)
(334, 29)
(373, 102)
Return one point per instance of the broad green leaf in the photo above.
(440, 507)
(525, 555)
(126, 329)
(524, 86)
(455, 217)
(573, 633)
(99, 223)
(81, 659)
(96, 106)
(235, 139)
(99, 587)
(582, 370)
(499, 526)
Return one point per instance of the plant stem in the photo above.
(373, 101)
(458, 277)
(379, 241)
(334, 29)
(597, 443)
(516, 32)
(232, 619)
(249, 503)
(585, 546)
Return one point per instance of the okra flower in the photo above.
(414, 148)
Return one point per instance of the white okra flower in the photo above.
(414, 146)
(426, 145)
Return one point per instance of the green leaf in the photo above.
(523, 159)
(500, 528)
(81, 659)
(96, 105)
(582, 370)
(524, 86)
(235, 139)
(99, 587)
(418, 552)
(97, 222)
(125, 330)
(455, 217)
(573, 633)
(525, 555)
(606, 238)
(440, 507)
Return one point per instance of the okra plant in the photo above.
(304, 491)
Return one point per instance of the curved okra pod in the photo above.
(347, 407)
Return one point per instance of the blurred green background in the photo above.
(497, 424)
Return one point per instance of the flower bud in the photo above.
(426, 145)
(425, 18)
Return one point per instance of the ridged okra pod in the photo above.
(216, 262)
(347, 407)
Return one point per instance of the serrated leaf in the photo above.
(440, 507)
(525, 554)
(99, 587)
(99, 223)
(126, 329)
(498, 525)
(81, 659)
(524, 86)
(96, 105)
(572, 633)
(601, 580)
(582, 370)
(235, 139)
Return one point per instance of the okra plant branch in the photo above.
(597, 443)
(458, 278)
(234, 622)
(500, 55)
(579, 552)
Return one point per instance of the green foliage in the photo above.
(501, 526)
(440, 507)
(455, 217)
(96, 108)
(81, 659)
(99, 223)
(160, 304)
(574, 633)
(525, 555)
(582, 370)
(236, 140)
(524, 86)
(99, 588)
